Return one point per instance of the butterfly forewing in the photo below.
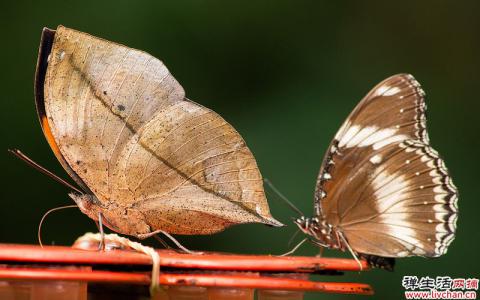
(381, 183)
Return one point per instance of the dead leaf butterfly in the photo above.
(146, 157)
(382, 191)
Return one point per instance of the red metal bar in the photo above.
(207, 261)
(205, 280)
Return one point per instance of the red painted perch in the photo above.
(31, 263)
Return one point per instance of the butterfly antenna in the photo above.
(294, 248)
(293, 237)
(43, 170)
(290, 204)
(39, 234)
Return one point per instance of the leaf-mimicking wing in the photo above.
(382, 184)
(123, 125)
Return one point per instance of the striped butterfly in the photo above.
(383, 192)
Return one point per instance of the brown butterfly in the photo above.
(382, 191)
(146, 158)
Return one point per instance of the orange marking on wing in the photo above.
(49, 136)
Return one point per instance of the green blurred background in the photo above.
(285, 74)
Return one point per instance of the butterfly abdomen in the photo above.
(386, 263)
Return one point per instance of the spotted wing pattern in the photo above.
(382, 184)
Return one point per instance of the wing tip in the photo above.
(393, 84)
(270, 221)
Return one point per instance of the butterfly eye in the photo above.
(302, 223)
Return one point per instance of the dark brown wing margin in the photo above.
(46, 43)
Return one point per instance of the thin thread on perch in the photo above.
(97, 237)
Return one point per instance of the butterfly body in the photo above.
(323, 234)
(124, 219)
(382, 190)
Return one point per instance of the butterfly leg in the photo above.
(164, 244)
(174, 240)
(294, 248)
(320, 252)
(321, 247)
(350, 249)
(101, 245)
